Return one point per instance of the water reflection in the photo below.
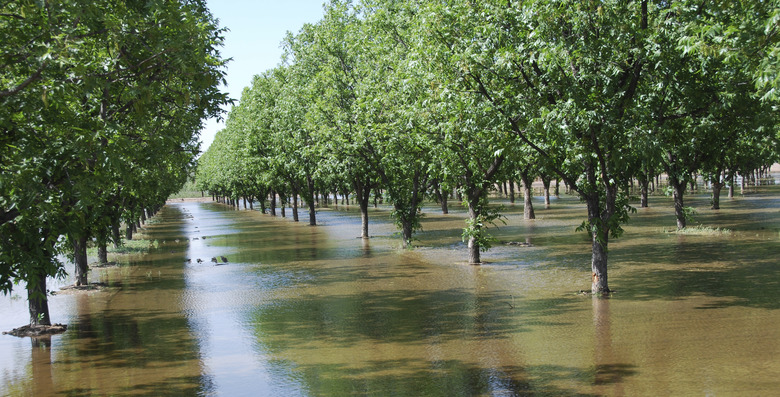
(126, 340)
(41, 366)
(609, 370)
(412, 340)
(302, 310)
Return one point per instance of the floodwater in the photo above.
(315, 311)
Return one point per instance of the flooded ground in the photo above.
(315, 311)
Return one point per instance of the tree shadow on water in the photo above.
(117, 339)
(606, 374)
(746, 274)
(173, 386)
(344, 328)
(456, 378)
(402, 316)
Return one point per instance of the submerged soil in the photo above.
(315, 311)
(76, 289)
(37, 330)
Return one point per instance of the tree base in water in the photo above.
(37, 330)
(519, 244)
(602, 293)
(102, 265)
(75, 289)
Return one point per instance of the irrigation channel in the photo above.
(315, 311)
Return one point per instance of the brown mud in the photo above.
(37, 330)
(77, 289)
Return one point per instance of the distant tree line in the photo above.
(418, 98)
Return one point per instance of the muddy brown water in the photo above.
(315, 311)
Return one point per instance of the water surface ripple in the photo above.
(315, 311)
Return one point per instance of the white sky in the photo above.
(257, 28)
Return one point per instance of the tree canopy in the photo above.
(410, 97)
(102, 103)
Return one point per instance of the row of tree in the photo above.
(102, 103)
(425, 96)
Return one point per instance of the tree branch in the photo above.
(35, 76)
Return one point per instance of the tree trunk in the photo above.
(273, 203)
(742, 185)
(528, 209)
(102, 252)
(546, 183)
(295, 205)
(129, 231)
(363, 192)
(644, 182)
(407, 216)
(443, 201)
(37, 300)
(598, 265)
(473, 244)
(599, 246)
(679, 207)
(80, 257)
(406, 231)
(364, 216)
(731, 186)
(512, 191)
(441, 197)
(717, 186)
(312, 214)
(115, 234)
(474, 254)
(310, 200)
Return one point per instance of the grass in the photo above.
(700, 230)
(137, 246)
(132, 247)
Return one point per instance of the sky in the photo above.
(257, 28)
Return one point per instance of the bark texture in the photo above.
(528, 208)
(102, 253)
(679, 206)
(37, 302)
(80, 257)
